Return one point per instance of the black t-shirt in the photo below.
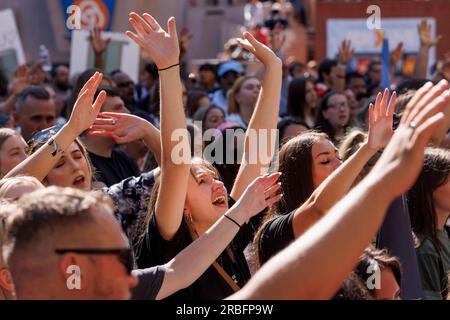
(115, 169)
(211, 285)
(277, 234)
(150, 282)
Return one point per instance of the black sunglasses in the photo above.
(125, 255)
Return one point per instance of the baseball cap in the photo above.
(229, 66)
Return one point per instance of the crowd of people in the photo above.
(291, 182)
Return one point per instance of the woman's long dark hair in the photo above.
(296, 166)
(296, 104)
(435, 173)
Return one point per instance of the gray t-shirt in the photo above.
(150, 282)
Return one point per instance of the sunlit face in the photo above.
(441, 197)
(35, 115)
(338, 111)
(248, 93)
(325, 160)
(12, 152)
(72, 170)
(389, 288)
(213, 119)
(311, 95)
(206, 198)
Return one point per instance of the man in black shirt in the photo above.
(112, 165)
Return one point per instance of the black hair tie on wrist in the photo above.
(174, 65)
(232, 220)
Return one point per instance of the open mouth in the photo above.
(79, 180)
(219, 201)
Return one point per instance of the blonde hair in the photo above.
(7, 184)
(233, 106)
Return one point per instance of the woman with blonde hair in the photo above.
(242, 99)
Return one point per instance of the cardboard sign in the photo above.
(122, 53)
(11, 50)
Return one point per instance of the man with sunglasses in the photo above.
(67, 244)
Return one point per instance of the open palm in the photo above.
(162, 47)
(380, 120)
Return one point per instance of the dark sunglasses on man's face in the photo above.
(125, 255)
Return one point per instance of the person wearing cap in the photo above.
(228, 73)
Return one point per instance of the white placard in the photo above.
(366, 41)
(129, 55)
(9, 36)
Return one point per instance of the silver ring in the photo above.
(413, 125)
(114, 122)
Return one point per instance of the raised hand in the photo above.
(162, 47)
(380, 120)
(261, 51)
(402, 159)
(345, 52)
(97, 42)
(121, 127)
(397, 53)
(424, 30)
(85, 110)
(260, 194)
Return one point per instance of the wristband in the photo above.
(232, 220)
(174, 65)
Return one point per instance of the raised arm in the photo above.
(426, 43)
(163, 48)
(99, 45)
(302, 271)
(193, 261)
(265, 116)
(125, 128)
(334, 188)
(83, 115)
(345, 55)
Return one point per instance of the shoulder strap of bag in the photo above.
(216, 265)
